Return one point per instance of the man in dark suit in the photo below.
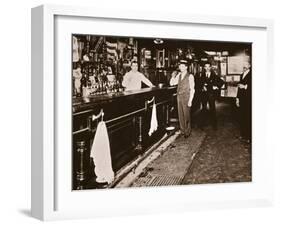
(244, 102)
(211, 84)
(197, 101)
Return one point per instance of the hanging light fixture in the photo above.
(158, 41)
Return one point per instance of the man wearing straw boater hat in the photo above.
(185, 93)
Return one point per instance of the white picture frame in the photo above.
(47, 188)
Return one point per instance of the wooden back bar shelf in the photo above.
(127, 115)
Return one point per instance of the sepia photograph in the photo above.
(135, 112)
(160, 112)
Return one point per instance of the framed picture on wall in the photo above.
(95, 130)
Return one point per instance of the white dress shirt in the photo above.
(132, 80)
(245, 73)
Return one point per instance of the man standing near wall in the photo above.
(244, 102)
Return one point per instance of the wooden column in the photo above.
(80, 171)
(167, 115)
(140, 136)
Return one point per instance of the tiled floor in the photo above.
(207, 156)
(222, 157)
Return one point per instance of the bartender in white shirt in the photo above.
(133, 79)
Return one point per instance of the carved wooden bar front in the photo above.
(127, 116)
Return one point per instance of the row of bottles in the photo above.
(95, 86)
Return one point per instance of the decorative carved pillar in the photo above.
(163, 115)
(140, 139)
(167, 114)
(80, 171)
(135, 131)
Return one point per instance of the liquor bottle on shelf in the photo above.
(74, 92)
(83, 82)
(102, 87)
(106, 89)
(114, 87)
(98, 88)
(117, 86)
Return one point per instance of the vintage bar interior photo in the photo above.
(159, 112)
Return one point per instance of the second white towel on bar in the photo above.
(153, 122)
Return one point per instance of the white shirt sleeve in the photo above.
(192, 85)
(125, 80)
(174, 80)
(146, 81)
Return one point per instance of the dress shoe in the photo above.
(187, 135)
(245, 140)
(215, 127)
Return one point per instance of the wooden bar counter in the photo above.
(127, 115)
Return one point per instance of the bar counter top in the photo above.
(86, 103)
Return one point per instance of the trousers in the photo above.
(245, 118)
(184, 114)
(208, 98)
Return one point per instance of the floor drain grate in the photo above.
(158, 180)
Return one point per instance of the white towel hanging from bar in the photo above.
(153, 122)
(100, 152)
